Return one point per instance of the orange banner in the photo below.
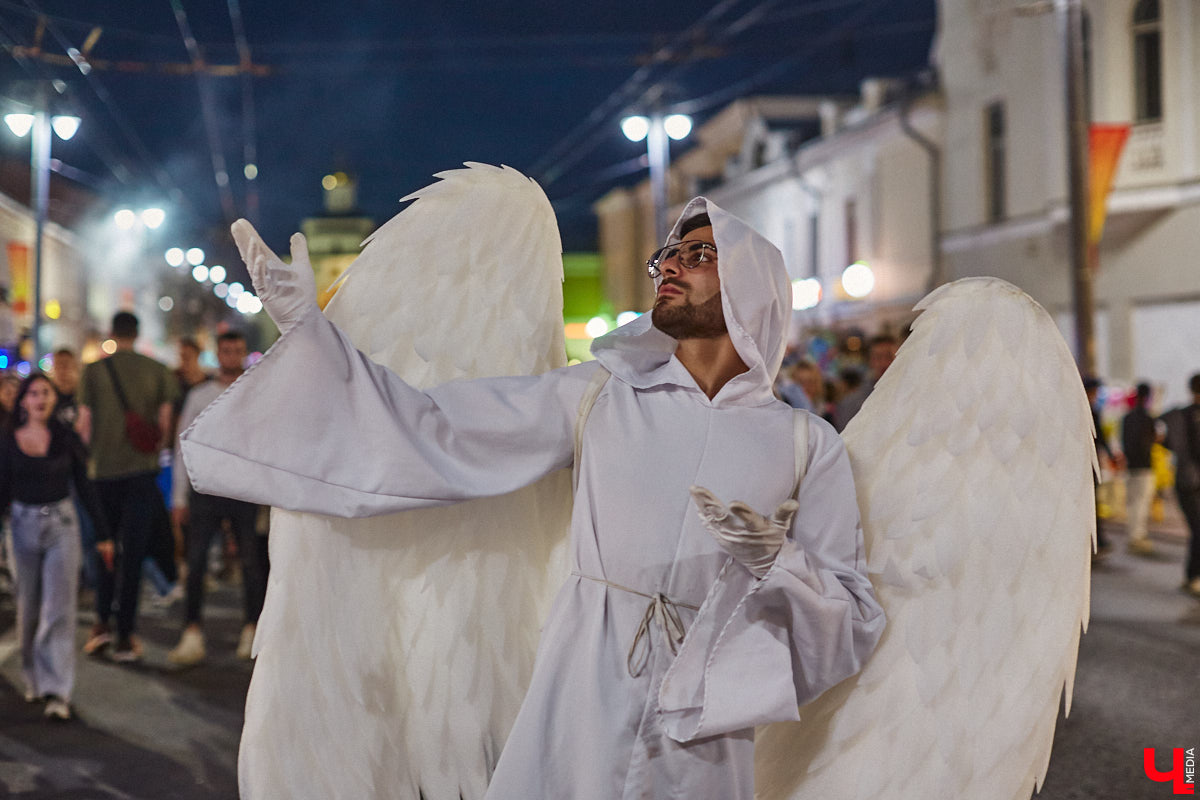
(18, 272)
(1104, 149)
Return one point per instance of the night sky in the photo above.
(393, 92)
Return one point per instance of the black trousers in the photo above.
(1189, 503)
(206, 512)
(135, 510)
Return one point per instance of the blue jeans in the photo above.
(46, 555)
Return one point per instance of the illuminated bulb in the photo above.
(200, 273)
(858, 280)
(216, 273)
(250, 171)
(806, 293)
(195, 256)
(328, 183)
(597, 326)
(175, 257)
(236, 288)
(53, 309)
(166, 303)
(635, 128)
(153, 217)
(625, 317)
(125, 219)
(221, 290)
(65, 126)
(109, 346)
(20, 124)
(677, 126)
(231, 301)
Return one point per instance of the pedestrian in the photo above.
(203, 514)
(189, 373)
(9, 384)
(1183, 438)
(125, 401)
(42, 461)
(1108, 459)
(881, 352)
(1138, 437)
(65, 375)
(684, 397)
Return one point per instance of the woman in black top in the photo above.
(40, 461)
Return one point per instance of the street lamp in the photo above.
(657, 130)
(40, 123)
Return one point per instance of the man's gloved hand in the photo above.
(752, 539)
(287, 291)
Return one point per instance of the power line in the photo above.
(249, 137)
(208, 113)
(547, 165)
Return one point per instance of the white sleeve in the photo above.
(759, 649)
(317, 426)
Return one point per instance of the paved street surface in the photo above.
(153, 732)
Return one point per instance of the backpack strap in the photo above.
(599, 378)
(112, 376)
(800, 446)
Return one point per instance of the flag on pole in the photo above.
(1104, 150)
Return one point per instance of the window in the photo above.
(995, 162)
(1147, 61)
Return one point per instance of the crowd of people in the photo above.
(834, 383)
(94, 501)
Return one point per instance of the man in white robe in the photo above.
(617, 707)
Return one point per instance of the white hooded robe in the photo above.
(681, 726)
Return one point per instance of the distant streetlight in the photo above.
(174, 257)
(153, 217)
(216, 273)
(858, 280)
(40, 123)
(656, 129)
(806, 293)
(195, 256)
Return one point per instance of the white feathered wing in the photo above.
(973, 463)
(394, 652)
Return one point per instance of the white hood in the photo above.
(756, 296)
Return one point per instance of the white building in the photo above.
(1005, 210)
(987, 151)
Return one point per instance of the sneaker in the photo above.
(98, 640)
(1141, 547)
(190, 650)
(246, 642)
(1192, 587)
(170, 598)
(57, 708)
(128, 651)
(31, 696)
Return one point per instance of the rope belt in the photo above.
(661, 609)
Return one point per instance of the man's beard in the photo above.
(690, 321)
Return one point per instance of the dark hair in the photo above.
(1090, 382)
(1143, 392)
(124, 325)
(232, 336)
(18, 416)
(64, 351)
(1194, 383)
(883, 338)
(187, 341)
(694, 223)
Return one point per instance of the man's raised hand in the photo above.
(287, 291)
(752, 539)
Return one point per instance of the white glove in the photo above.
(752, 539)
(287, 291)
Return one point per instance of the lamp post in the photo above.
(40, 123)
(657, 130)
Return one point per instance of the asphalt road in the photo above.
(153, 732)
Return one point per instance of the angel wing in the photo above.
(394, 652)
(972, 460)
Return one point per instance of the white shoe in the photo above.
(190, 650)
(1192, 587)
(246, 642)
(57, 708)
(170, 598)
